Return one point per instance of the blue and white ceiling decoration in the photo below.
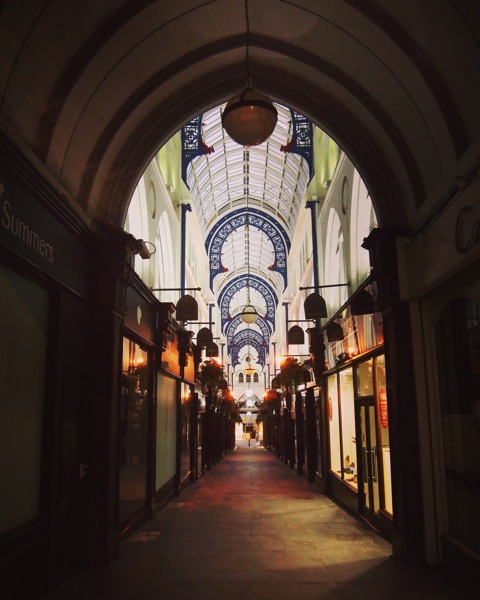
(247, 202)
(302, 140)
(234, 324)
(258, 219)
(249, 338)
(193, 144)
(256, 284)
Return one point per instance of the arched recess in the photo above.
(255, 283)
(256, 218)
(380, 173)
(388, 98)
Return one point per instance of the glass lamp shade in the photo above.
(249, 370)
(249, 118)
(249, 314)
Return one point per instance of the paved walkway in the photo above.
(253, 529)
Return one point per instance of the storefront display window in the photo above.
(166, 449)
(382, 410)
(334, 420)
(23, 323)
(364, 380)
(134, 409)
(186, 402)
(319, 433)
(349, 459)
(458, 357)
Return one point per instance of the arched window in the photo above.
(240, 378)
(362, 221)
(335, 271)
(249, 379)
(255, 378)
(164, 261)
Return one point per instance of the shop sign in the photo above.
(171, 354)
(189, 369)
(31, 231)
(383, 408)
(140, 315)
(330, 408)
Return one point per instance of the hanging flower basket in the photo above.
(211, 375)
(291, 373)
(271, 396)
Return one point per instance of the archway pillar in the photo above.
(408, 535)
(112, 266)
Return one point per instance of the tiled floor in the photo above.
(253, 529)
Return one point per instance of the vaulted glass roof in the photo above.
(274, 180)
(247, 201)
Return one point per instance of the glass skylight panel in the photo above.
(208, 208)
(235, 170)
(203, 179)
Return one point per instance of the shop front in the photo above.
(359, 439)
(136, 408)
(189, 419)
(359, 471)
(168, 402)
(45, 387)
(446, 307)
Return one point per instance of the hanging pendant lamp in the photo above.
(249, 117)
(249, 314)
(249, 369)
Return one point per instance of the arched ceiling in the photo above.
(91, 90)
(262, 177)
(246, 202)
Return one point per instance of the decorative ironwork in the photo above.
(302, 140)
(232, 330)
(248, 337)
(256, 283)
(192, 144)
(256, 218)
(236, 322)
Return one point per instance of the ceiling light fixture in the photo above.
(249, 117)
(249, 369)
(249, 314)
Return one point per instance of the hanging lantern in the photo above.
(249, 370)
(249, 118)
(249, 314)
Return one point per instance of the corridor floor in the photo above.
(253, 529)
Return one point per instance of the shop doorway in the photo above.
(368, 484)
(133, 442)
